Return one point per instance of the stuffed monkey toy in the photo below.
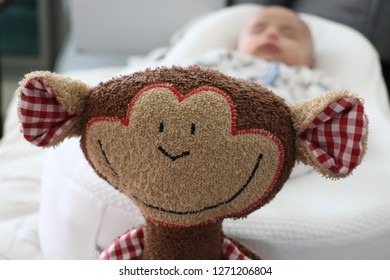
(190, 147)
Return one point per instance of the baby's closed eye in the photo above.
(288, 32)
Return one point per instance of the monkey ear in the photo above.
(331, 133)
(50, 106)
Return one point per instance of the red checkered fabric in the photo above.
(42, 117)
(127, 247)
(231, 252)
(336, 136)
(130, 247)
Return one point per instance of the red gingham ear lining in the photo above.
(336, 136)
(42, 117)
(130, 247)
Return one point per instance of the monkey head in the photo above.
(190, 146)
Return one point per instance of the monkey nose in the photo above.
(173, 157)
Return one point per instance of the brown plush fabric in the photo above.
(195, 243)
(256, 108)
(188, 168)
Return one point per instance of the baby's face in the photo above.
(277, 34)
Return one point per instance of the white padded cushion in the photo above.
(310, 218)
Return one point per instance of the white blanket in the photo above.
(20, 176)
(292, 83)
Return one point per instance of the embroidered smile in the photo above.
(173, 158)
(234, 196)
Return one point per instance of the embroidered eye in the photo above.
(193, 128)
(161, 127)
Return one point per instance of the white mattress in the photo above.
(311, 218)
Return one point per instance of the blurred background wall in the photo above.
(31, 35)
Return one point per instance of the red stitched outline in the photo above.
(126, 120)
(234, 132)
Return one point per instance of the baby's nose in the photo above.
(271, 33)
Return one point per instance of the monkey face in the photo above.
(191, 145)
(181, 158)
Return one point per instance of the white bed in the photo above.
(53, 206)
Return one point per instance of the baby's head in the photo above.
(278, 34)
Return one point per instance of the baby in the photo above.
(277, 34)
(274, 49)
